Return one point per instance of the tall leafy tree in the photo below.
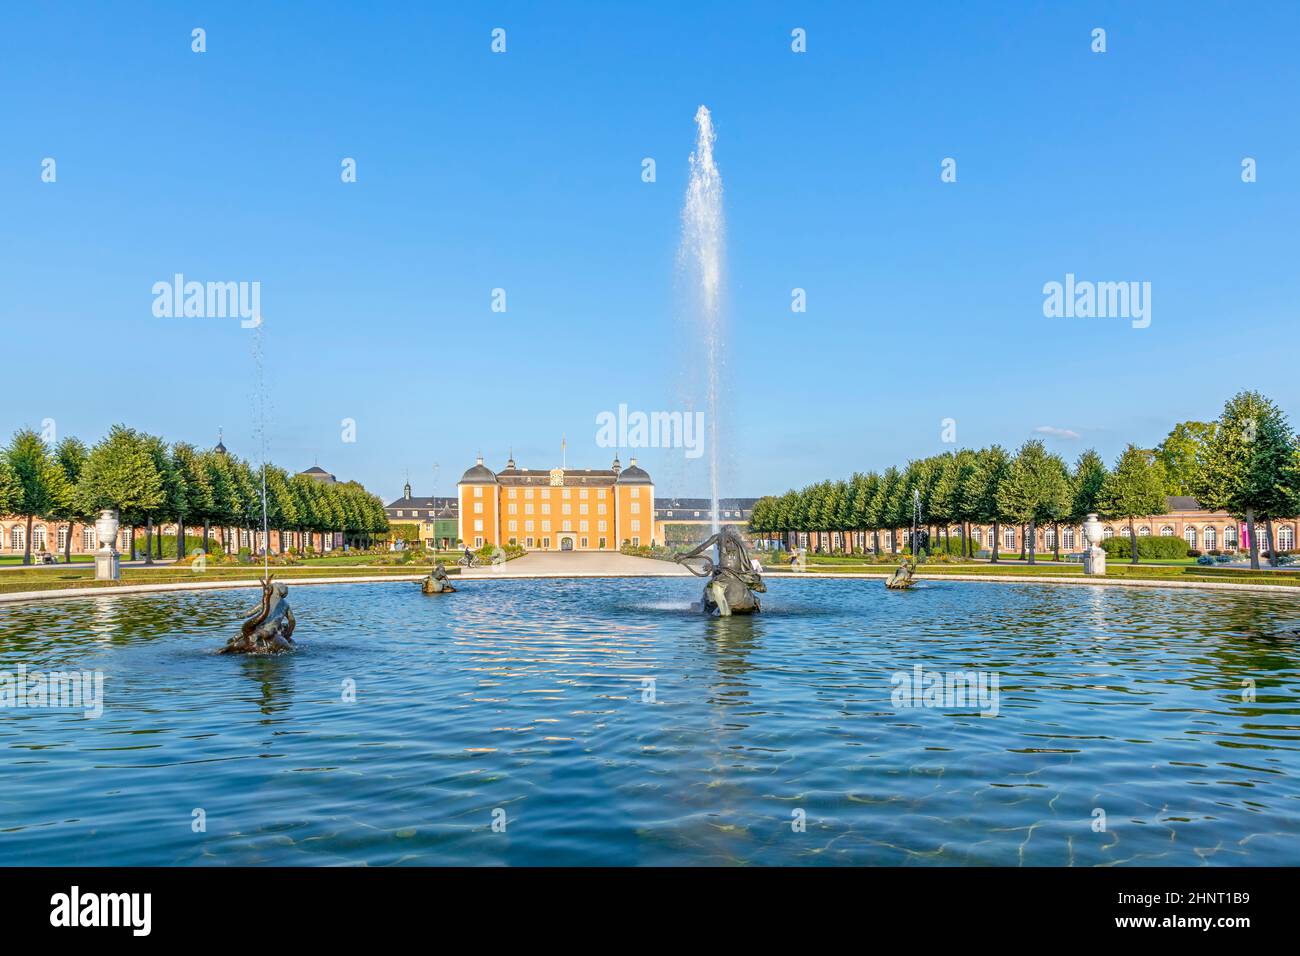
(120, 473)
(42, 488)
(1086, 483)
(194, 501)
(1037, 490)
(1242, 466)
(70, 454)
(983, 492)
(1135, 488)
(1179, 453)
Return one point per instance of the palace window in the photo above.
(1211, 539)
(636, 508)
(1167, 531)
(636, 542)
(399, 512)
(478, 543)
(512, 493)
(1067, 537)
(600, 508)
(528, 526)
(478, 491)
(546, 526)
(582, 508)
(528, 542)
(478, 524)
(1286, 538)
(528, 507)
(512, 508)
(1144, 532)
(63, 538)
(38, 538)
(1108, 532)
(636, 524)
(584, 542)
(566, 508)
(512, 526)
(1049, 538)
(566, 493)
(1009, 538)
(1230, 536)
(478, 507)
(16, 538)
(602, 525)
(1189, 535)
(87, 539)
(582, 493)
(528, 492)
(582, 526)
(600, 543)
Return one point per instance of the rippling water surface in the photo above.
(529, 698)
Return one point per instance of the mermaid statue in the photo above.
(437, 582)
(269, 629)
(733, 582)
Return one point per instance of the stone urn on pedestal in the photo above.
(1094, 561)
(107, 564)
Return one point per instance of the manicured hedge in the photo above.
(1148, 547)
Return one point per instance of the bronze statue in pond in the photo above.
(269, 630)
(734, 581)
(902, 578)
(437, 581)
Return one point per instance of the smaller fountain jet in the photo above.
(437, 581)
(733, 580)
(269, 629)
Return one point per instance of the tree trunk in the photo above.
(1033, 539)
(1133, 540)
(206, 527)
(1250, 533)
(997, 540)
(131, 546)
(1057, 540)
(1022, 542)
(181, 550)
(893, 541)
(148, 539)
(27, 542)
(1272, 541)
(67, 546)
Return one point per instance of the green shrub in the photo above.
(1148, 547)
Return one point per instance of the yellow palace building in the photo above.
(557, 510)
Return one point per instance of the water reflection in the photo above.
(529, 697)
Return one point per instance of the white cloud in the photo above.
(1053, 432)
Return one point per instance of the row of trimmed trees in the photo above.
(1247, 464)
(151, 483)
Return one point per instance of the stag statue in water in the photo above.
(269, 629)
(734, 582)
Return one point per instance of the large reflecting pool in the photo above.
(603, 723)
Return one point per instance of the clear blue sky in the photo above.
(522, 171)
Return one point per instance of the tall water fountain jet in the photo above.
(701, 253)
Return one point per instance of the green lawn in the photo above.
(47, 580)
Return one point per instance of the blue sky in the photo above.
(522, 171)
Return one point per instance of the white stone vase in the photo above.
(106, 530)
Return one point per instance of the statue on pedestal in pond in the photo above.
(902, 578)
(733, 582)
(437, 582)
(269, 629)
